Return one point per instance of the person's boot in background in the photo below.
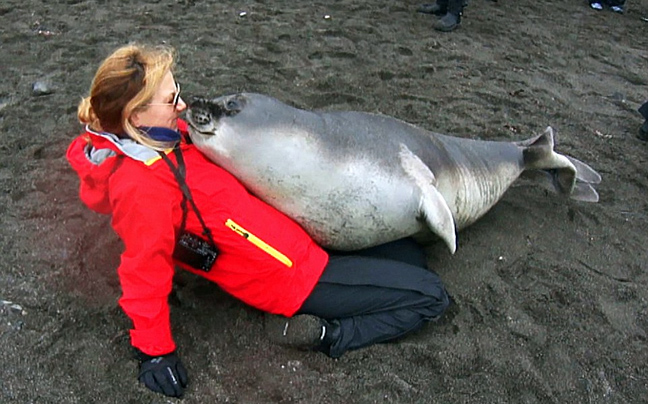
(618, 6)
(643, 130)
(439, 8)
(451, 20)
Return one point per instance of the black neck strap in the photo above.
(179, 173)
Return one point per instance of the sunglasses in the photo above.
(176, 98)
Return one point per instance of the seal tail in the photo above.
(565, 175)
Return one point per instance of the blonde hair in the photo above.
(126, 81)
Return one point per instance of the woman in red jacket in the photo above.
(172, 207)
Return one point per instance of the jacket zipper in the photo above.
(259, 243)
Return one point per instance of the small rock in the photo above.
(42, 87)
(4, 102)
(294, 365)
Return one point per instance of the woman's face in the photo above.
(164, 108)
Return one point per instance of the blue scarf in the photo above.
(161, 134)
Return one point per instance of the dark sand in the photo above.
(552, 295)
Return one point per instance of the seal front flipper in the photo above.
(432, 206)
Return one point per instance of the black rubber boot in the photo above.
(332, 332)
(643, 132)
(448, 22)
(643, 110)
(439, 8)
(451, 20)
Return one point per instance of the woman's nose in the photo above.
(182, 105)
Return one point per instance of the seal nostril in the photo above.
(202, 118)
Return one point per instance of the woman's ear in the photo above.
(135, 119)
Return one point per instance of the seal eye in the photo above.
(232, 105)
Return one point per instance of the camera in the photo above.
(195, 252)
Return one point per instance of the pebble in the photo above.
(16, 308)
(42, 87)
(4, 102)
(619, 97)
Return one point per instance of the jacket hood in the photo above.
(96, 155)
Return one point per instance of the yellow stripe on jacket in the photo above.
(259, 243)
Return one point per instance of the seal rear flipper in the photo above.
(584, 192)
(432, 206)
(584, 172)
(567, 175)
(585, 177)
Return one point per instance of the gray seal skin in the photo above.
(354, 180)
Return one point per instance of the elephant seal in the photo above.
(354, 179)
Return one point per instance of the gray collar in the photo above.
(127, 146)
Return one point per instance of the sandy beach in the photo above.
(552, 295)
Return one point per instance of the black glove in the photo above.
(163, 374)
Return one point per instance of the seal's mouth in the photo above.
(197, 127)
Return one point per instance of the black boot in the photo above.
(439, 8)
(451, 20)
(643, 130)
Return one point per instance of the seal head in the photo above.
(203, 115)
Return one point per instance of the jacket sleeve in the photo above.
(93, 177)
(143, 218)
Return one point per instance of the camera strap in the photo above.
(179, 173)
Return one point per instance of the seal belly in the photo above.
(360, 206)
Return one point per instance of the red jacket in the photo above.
(265, 260)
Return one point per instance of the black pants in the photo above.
(377, 295)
